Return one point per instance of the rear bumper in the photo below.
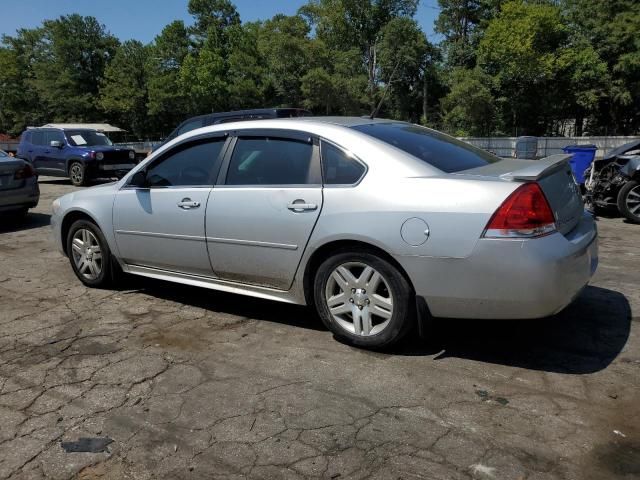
(509, 279)
(26, 197)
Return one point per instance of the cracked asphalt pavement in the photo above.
(190, 383)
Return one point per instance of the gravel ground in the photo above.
(190, 383)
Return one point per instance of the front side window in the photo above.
(339, 168)
(271, 161)
(437, 149)
(54, 135)
(194, 164)
(87, 138)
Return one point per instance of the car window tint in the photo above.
(338, 168)
(53, 135)
(194, 164)
(437, 149)
(270, 161)
(192, 125)
(37, 138)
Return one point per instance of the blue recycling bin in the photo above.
(582, 156)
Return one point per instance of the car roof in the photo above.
(64, 129)
(345, 121)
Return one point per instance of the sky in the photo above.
(144, 19)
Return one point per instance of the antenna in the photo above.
(384, 92)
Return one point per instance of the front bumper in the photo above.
(56, 231)
(25, 197)
(508, 279)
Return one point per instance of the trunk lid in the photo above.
(554, 176)
(8, 168)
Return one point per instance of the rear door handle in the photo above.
(301, 206)
(188, 204)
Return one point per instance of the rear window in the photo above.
(437, 149)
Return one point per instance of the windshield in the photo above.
(437, 149)
(87, 138)
(3, 153)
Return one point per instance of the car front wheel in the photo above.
(78, 174)
(364, 299)
(629, 201)
(89, 254)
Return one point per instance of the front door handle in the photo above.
(188, 204)
(301, 206)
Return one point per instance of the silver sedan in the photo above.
(376, 223)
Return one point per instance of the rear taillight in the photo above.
(25, 172)
(524, 214)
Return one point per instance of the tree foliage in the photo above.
(501, 67)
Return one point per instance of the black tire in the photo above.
(624, 200)
(20, 214)
(403, 316)
(109, 271)
(78, 174)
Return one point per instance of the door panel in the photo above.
(259, 223)
(163, 228)
(54, 157)
(160, 221)
(253, 235)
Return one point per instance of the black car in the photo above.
(615, 181)
(77, 153)
(239, 115)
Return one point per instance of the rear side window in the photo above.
(194, 164)
(37, 138)
(437, 149)
(271, 161)
(338, 168)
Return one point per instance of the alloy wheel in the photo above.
(76, 173)
(359, 299)
(87, 254)
(633, 201)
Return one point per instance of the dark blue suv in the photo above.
(77, 153)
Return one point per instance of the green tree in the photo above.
(521, 49)
(469, 108)
(123, 93)
(168, 103)
(74, 53)
(406, 58)
(287, 49)
(611, 27)
(462, 23)
(347, 24)
(212, 15)
(246, 68)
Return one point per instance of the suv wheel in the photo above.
(629, 201)
(77, 174)
(364, 299)
(89, 254)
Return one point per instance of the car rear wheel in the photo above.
(364, 299)
(89, 254)
(78, 174)
(629, 201)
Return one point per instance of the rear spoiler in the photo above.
(538, 168)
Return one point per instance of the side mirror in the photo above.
(138, 179)
(56, 144)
